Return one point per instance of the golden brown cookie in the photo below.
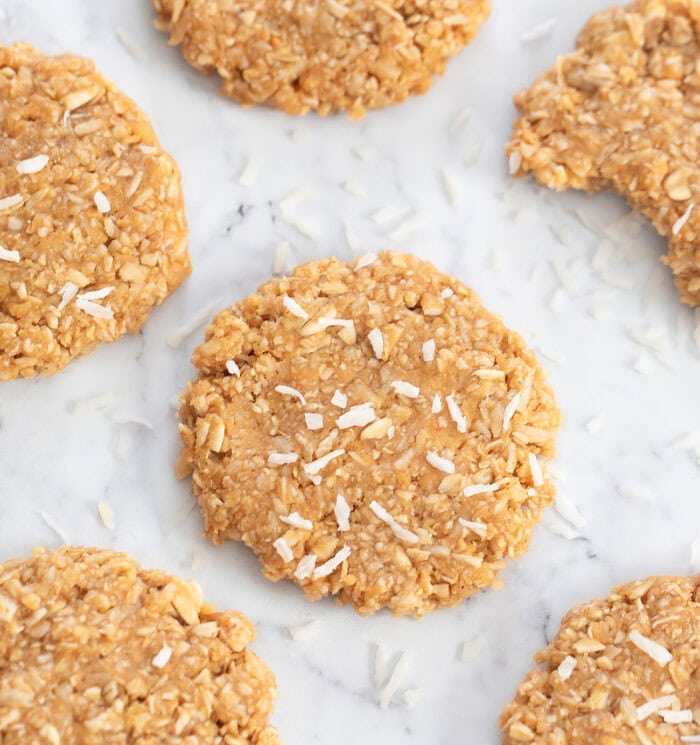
(92, 226)
(621, 670)
(371, 432)
(327, 55)
(96, 650)
(622, 113)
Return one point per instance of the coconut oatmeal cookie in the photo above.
(95, 650)
(326, 55)
(371, 432)
(621, 670)
(623, 113)
(92, 226)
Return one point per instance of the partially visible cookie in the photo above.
(621, 670)
(96, 650)
(92, 225)
(371, 432)
(328, 55)
(623, 113)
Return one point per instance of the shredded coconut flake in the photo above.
(398, 530)
(510, 410)
(405, 389)
(356, 416)
(68, 292)
(316, 465)
(286, 390)
(232, 368)
(595, 424)
(456, 414)
(655, 705)
(442, 464)
(279, 256)
(94, 309)
(97, 294)
(476, 527)
(377, 341)
(365, 260)
(281, 459)
(283, 549)
(396, 680)
(566, 667)
(342, 513)
(202, 316)
(325, 323)
(515, 160)
(540, 31)
(296, 521)
(249, 174)
(680, 716)
(305, 566)
(653, 649)
(429, 350)
(681, 221)
(473, 489)
(106, 515)
(436, 408)
(303, 631)
(417, 222)
(314, 421)
(12, 201)
(294, 308)
(471, 649)
(163, 657)
(7, 255)
(535, 470)
(413, 696)
(32, 165)
(333, 563)
(339, 399)
(101, 202)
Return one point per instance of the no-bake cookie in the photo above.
(621, 670)
(95, 650)
(371, 432)
(623, 113)
(92, 226)
(326, 55)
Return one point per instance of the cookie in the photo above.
(331, 55)
(92, 226)
(620, 670)
(622, 113)
(94, 649)
(371, 432)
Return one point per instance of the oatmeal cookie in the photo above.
(326, 55)
(620, 670)
(623, 113)
(92, 226)
(95, 650)
(371, 432)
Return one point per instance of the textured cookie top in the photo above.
(326, 55)
(95, 650)
(371, 432)
(623, 112)
(92, 227)
(621, 670)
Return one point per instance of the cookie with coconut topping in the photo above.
(92, 226)
(332, 55)
(622, 113)
(620, 670)
(371, 432)
(94, 649)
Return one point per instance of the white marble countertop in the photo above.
(595, 313)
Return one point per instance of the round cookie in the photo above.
(370, 432)
(620, 670)
(92, 225)
(326, 55)
(94, 649)
(621, 113)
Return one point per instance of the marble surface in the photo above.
(575, 274)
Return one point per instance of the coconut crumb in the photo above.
(395, 681)
(163, 657)
(102, 202)
(566, 667)
(232, 368)
(476, 527)
(32, 165)
(456, 414)
(7, 255)
(405, 389)
(428, 350)
(342, 513)
(365, 260)
(279, 257)
(681, 221)
(296, 521)
(106, 515)
(474, 489)
(284, 550)
(339, 399)
(287, 390)
(315, 466)
(305, 567)
(436, 408)
(442, 464)
(7, 203)
(356, 416)
(471, 649)
(333, 563)
(655, 705)
(535, 470)
(294, 308)
(281, 459)
(510, 410)
(249, 174)
(313, 421)
(303, 631)
(540, 31)
(377, 341)
(680, 716)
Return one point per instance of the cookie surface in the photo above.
(94, 650)
(330, 55)
(620, 670)
(92, 226)
(371, 432)
(622, 113)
